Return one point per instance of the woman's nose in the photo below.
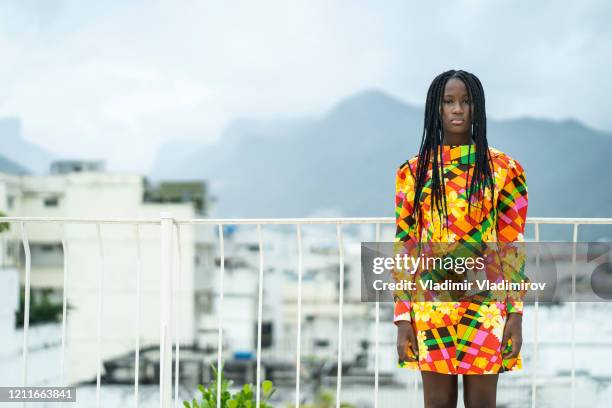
(457, 107)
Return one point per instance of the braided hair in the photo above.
(431, 147)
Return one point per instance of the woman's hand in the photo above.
(513, 330)
(406, 342)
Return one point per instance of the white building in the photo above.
(89, 192)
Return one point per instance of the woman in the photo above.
(445, 339)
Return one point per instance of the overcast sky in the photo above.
(114, 79)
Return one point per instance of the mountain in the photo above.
(344, 162)
(10, 167)
(16, 149)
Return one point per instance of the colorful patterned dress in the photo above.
(462, 337)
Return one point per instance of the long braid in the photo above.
(431, 148)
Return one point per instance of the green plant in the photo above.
(42, 309)
(245, 398)
(4, 226)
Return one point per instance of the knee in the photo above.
(440, 400)
(480, 401)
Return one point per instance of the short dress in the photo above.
(462, 337)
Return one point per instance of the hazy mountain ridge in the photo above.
(343, 163)
(10, 167)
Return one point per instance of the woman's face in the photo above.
(456, 109)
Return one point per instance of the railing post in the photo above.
(536, 308)
(573, 318)
(340, 307)
(376, 327)
(165, 339)
(26, 312)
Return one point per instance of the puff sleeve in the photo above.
(511, 217)
(405, 231)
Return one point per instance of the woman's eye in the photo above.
(448, 101)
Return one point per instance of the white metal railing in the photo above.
(170, 236)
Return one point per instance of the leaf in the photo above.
(232, 404)
(266, 386)
(226, 395)
(186, 404)
(247, 391)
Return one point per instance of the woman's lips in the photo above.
(457, 121)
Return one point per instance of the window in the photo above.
(321, 343)
(51, 201)
(44, 255)
(266, 334)
(10, 202)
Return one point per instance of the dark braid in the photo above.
(431, 148)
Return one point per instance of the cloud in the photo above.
(117, 80)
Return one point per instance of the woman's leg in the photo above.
(439, 390)
(480, 391)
